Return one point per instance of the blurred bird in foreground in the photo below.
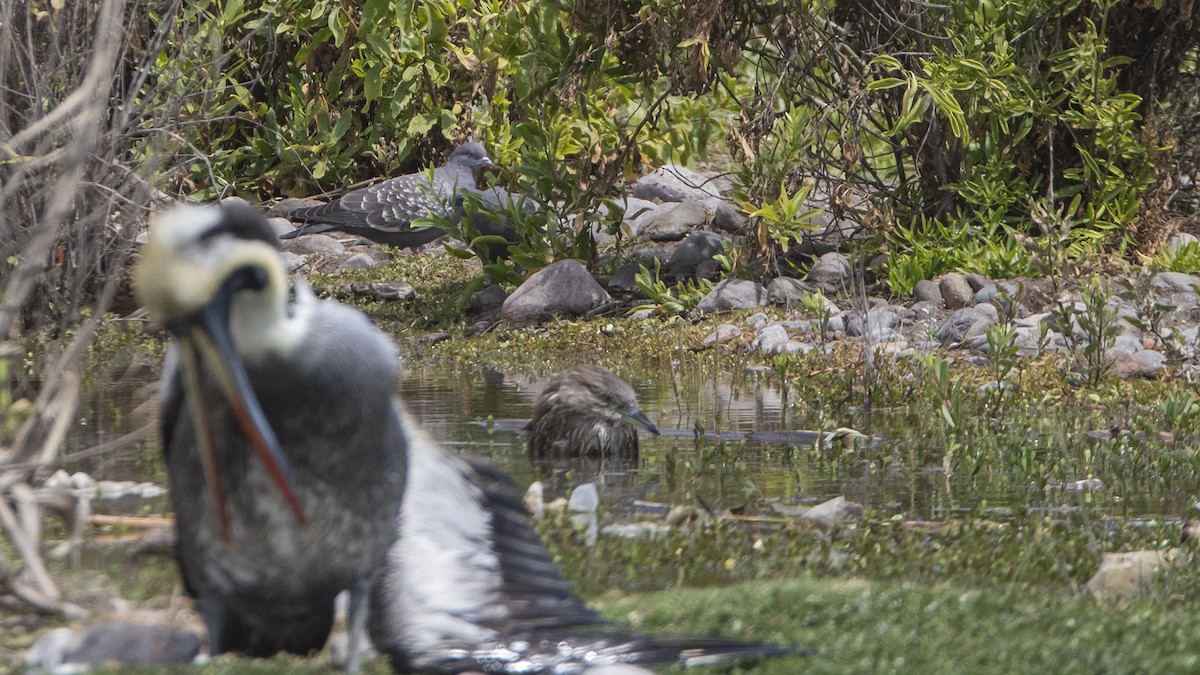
(586, 411)
(384, 212)
(346, 492)
(285, 454)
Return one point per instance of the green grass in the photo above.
(856, 626)
(859, 627)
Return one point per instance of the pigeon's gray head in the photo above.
(470, 157)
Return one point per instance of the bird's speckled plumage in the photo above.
(384, 212)
(269, 583)
(586, 411)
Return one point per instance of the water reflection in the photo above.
(729, 440)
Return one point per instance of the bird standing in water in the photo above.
(586, 411)
(280, 502)
(384, 212)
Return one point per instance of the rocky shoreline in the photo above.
(678, 221)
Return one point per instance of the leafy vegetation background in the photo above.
(979, 135)
(1013, 138)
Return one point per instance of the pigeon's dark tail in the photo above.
(306, 229)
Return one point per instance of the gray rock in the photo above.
(927, 309)
(831, 272)
(1128, 343)
(623, 278)
(648, 255)
(989, 311)
(709, 269)
(733, 294)
(642, 315)
(727, 218)
(563, 287)
(928, 291)
(674, 224)
(793, 347)
(874, 323)
(788, 291)
(1179, 240)
(769, 339)
(639, 212)
(675, 184)
(1176, 281)
(433, 338)
(964, 324)
(723, 333)
(631, 208)
(1127, 574)
(696, 249)
(956, 291)
(1152, 359)
(127, 644)
(358, 261)
(988, 293)
(488, 299)
(315, 244)
(280, 225)
(757, 321)
(721, 181)
(1125, 366)
(830, 232)
(292, 261)
(977, 281)
(283, 207)
(829, 235)
(401, 291)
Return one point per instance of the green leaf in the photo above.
(339, 129)
(884, 83)
(336, 27)
(373, 82)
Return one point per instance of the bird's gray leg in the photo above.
(356, 620)
(213, 614)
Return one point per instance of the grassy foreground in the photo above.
(860, 627)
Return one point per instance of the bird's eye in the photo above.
(607, 398)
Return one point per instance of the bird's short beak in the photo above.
(635, 415)
(206, 337)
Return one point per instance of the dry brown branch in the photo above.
(147, 522)
(45, 588)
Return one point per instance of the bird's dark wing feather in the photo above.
(469, 586)
(308, 228)
(532, 588)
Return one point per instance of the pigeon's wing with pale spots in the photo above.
(390, 206)
(394, 204)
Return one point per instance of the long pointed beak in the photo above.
(211, 340)
(635, 415)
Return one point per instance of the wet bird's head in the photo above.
(594, 391)
(212, 275)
